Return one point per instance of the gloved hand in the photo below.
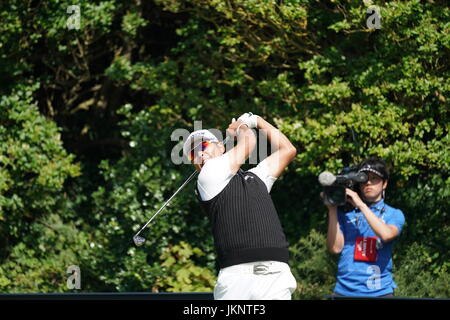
(250, 119)
(233, 128)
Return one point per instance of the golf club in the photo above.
(137, 239)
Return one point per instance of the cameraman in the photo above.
(364, 236)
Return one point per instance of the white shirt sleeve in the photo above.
(262, 171)
(214, 177)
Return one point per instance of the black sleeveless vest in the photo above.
(245, 223)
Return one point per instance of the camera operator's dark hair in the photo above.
(378, 164)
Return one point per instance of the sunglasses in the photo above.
(374, 179)
(200, 147)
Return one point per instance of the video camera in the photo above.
(334, 186)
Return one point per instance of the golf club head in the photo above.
(138, 241)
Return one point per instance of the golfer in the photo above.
(251, 246)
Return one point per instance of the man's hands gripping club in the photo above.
(283, 151)
(246, 142)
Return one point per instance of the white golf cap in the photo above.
(195, 138)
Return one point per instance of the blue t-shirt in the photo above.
(361, 278)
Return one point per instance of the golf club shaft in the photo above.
(176, 192)
(167, 202)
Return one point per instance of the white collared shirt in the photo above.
(216, 174)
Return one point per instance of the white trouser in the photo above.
(264, 280)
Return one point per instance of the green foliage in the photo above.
(180, 272)
(313, 267)
(419, 276)
(36, 245)
(33, 165)
(115, 90)
(39, 262)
